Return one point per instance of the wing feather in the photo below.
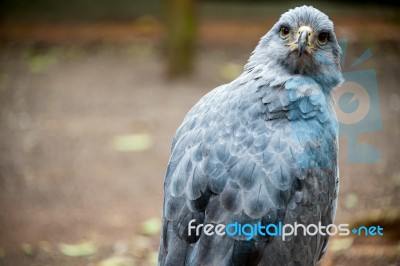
(243, 154)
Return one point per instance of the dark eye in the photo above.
(323, 38)
(284, 32)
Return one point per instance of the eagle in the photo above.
(260, 150)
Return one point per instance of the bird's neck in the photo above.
(273, 74)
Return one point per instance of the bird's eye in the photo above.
(323, 38)
(284, 32)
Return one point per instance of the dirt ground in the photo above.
(63, 178)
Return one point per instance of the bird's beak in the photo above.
(302, 40)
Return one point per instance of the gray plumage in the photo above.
(262, 148)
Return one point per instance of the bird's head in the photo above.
(302, 42)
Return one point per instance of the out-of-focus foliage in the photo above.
(337, 244)
(151, 226)
(28, 249)
(117, 261)
(76, 10)
(132, 142)
(78, 250)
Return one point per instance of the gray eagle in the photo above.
(260, 150)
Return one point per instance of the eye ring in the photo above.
(323, 38)
(284, 32)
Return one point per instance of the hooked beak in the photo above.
(302, 39)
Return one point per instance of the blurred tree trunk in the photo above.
(180, 32)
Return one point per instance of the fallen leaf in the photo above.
(396, 179)
(151, 226)
(152, 258)
(28, 249)
(39, 62)
(351, 201)
(132, 142)
(117, 261)
(337, 244)
(78, 250)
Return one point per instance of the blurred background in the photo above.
(91, 93)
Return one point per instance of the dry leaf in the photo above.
(78, 250)
(132, 142)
